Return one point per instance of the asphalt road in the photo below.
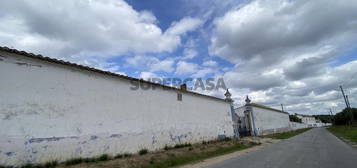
(311, 149)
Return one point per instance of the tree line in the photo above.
(345, 117)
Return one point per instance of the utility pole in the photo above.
(282, 107)
(348, 102)
(344, 97)
(331, 116)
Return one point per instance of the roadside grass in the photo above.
(50, 164)
(195, 157)
(286, 135)
(346, 132)
(170, 156)
(177, 155)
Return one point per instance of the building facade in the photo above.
(257, 119)
(309, 120)
(55, 110)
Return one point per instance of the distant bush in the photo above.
(324, 118)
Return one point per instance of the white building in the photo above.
(309, 120)
(261, 120)
(55, 110)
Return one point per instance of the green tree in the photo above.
(293, 118)
(344, 117)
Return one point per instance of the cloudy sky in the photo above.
(291, 52)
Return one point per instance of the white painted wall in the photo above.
(310, 121)
(296, 125)
(55, 112)
(268, 121)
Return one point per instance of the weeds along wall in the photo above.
(51, 111)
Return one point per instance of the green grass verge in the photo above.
(189, 158)
(286, 135)
(346, 132)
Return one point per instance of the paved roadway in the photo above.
(311, 149)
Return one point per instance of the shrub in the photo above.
(152, 161)
(74, 161)
(294, 118)
(167, 147)
(29, 165)
(143, 151)
(50, 164)
(103, 157)
(118, 156)
(89, 160)
(126, 155)
(226, 139)
(344, 117)
(182, 145)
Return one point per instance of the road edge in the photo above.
(346, 141)
(217, 159)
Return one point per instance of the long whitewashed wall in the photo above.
(268, 121)
(296, 125)
(51, 111)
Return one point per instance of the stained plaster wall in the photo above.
(269, 121)
(51, 112)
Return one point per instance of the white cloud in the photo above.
(184, 25)
(148, 75)
(283, 52)
(141, 61)
(189, 53)
(152, 64)
(203, 72)
(165, 65)
(255, 80)
(313, 95)
(185, 68)
(68, 28)
(264, 32)
(210, 63)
